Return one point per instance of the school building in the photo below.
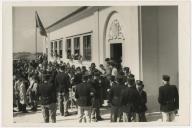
(145, 38)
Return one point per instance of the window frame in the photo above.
(77, 43)
(60, 48)
(68, 48)
(51, 50)
(87, 49)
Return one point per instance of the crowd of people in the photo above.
(50, 84)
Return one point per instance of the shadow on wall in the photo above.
(152, 104)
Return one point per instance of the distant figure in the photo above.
(20, 89)
(83, 94)
(168, 100)
(108, 70)
(102, 69)
(129, 101)
(47, 92)
(114, 98)
(97, 99)
(114, 71)
(62, 82)
(32, 91)
(141, 107)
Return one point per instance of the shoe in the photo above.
(93, 119)
(66, 114)
(25, 111)
(34, 109)
(99, 118)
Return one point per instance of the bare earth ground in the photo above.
(36, 117)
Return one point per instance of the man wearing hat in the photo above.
(114, 98)
(77, 76)
(97, 99)
(84, 94)
(141, 106)
(62, 82)
(128, 101)
(32, 91)
(168, 100)
(47, 93)
(20, 88)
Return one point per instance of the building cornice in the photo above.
(80, 13)
(68, 16)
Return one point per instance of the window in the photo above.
(60, 49)
(76, 47)
(55, 48)
(68, 48)
(46, 51)
(87, 47)
(51, 49)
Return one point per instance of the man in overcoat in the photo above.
(84, 93)
(168, 100)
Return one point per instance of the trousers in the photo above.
(140, 117)
(49, 110)
(128, 117)
(115, 113)
(168, 116)
(84, 113)
(63, 99)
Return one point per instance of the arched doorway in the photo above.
(114, 38)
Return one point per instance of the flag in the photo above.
(40, 25)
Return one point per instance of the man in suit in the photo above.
(83, 94)
(47, 93)
(62, 82)
(78, 76)
(128, 101)
(142, 108)
(32, 91)
(20, 89)
(168, 100)
(114, 98)
(97, 99)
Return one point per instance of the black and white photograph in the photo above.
(97, 64)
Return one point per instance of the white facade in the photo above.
(146, 36)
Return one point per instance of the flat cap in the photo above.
(131, 81)
(166, 77)
(139, 82)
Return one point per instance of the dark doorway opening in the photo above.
(116, 52)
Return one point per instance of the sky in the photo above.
(24, 25)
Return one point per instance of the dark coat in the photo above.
(47, 93)
(115, 93)
(168, 98)
(97, 98)
(96, 85)
(105, 84)
(77, 79)
(62, 82)
(83, 94)
(142, 102)
(129, 100)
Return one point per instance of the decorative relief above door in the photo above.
(115, 31)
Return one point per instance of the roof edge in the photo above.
(68, 16)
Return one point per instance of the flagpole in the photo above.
(35, 37)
